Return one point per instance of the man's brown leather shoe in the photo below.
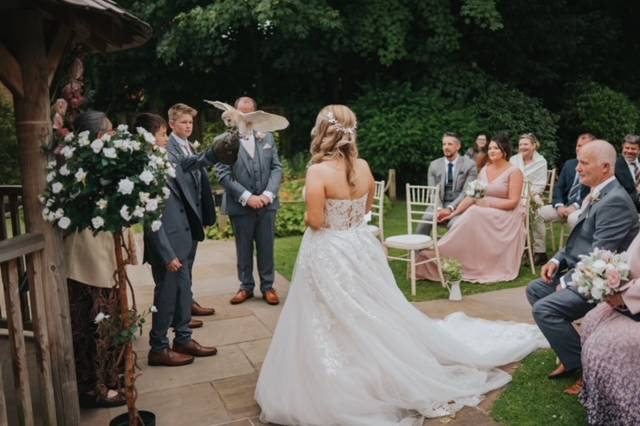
(271, 297)
(194, 323)
(201, 311)
(241, 296)
(575, 389)
(194, 348)
(560, 372)
(169, 358)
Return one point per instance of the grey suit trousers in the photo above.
(172, 297)
(257, 226)
(554, 311)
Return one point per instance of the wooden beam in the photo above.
(33, 129)
(20, 246)
(57, 48)
(10, 72)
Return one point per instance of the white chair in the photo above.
(526, 202)
(377, 212)
(420, 199)
(547, 198)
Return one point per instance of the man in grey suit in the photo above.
(250, 199)
(608, 221)
(451, 174)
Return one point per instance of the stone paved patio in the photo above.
(219, 390)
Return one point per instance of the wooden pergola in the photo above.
(33, 40)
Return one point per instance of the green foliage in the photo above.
(290, 219)
(483, 12)
(9, 167)
(218, 232)
(606, 113)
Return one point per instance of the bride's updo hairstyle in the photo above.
(334, 136)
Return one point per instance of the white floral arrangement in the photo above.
(108, 183)
(476, 189)
(600, 274)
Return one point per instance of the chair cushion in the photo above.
(374, 230)
(409, 241)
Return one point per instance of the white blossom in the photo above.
(166, 191)
(123, 128)
(56, 187)
(149, 138)
(64, 170)
(152, 204)
(125, 186)
(135, 145)
(118, 143)
(195, 144)
(100, 317)
(97, 145)
(67, 152)
(155, 225)
(106, 137)
(49, 202)
(69, 137)
(83, 134)
(64, 222)
(153, 309)
(171, 171)
(52, 164)
(102, 203)
(83, 140)
(110, 153)
(51, 176)
(97, 222)
(146, 176)
(143, 196)
(58, 214)
(138, 211)
(80, 175)
(124, 213)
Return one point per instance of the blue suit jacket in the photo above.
(565, 181)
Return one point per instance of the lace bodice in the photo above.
(344, 214)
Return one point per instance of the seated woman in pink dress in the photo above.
(487, 235)
(611, 354)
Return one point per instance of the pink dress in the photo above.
(611, 355)
(489, 242)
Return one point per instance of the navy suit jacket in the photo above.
(623, 174)
(565, 181)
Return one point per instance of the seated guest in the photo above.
(608, 221)
(480, 145)
(534, 167)
(627, 170)
(611, 353)
(569, 192)
(488, 235)
(167, 250)
(451, 174)
(90, 263)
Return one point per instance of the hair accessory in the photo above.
(334, 122)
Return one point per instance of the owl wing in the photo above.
(264, 121)
(220, 105)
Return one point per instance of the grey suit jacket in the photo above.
(180, 223)
(239, 177)
(610, 223)
(465, 171)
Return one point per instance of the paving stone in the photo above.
(237, 395)
(256, 350)
(234, 330)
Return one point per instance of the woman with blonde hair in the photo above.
(534, 167)
(348, 348)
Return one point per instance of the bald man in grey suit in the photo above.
(608, 221)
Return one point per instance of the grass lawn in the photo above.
(396, 223)
(531, 399)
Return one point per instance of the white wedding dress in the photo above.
(349, 349)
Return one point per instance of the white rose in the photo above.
(97, 222)
(49, 202)
(124, 212)
(123, 128)
(80, 175)
(167, 192)
(64, 170)
(143, 196)
(135, 145)
(153, 309)
(118, 143)
(152, 204)
(110, 153)
(125, 186)
(138, 211)
(155, 225)
(67, 151)
(51, 176)
(141, 130)
(84, 134)
(97, 145)
(64, 222)
(83, 141)
(146, 176)
(102, 203)
(100, 317)
(52, 164)
(171, 171)
(69, 137)
(45, 213)
(56, 187)
(58, 214)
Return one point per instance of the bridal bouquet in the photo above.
(600, 273)
(476, 189)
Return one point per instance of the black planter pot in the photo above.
(148, 418)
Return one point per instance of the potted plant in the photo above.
(105, 185)
(452, 273)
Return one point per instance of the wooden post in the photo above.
(33, 124)
(391, 183)
(4, 421)
(129, 357)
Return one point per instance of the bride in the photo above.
(348, 348)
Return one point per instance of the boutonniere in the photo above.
(260, 136)
(195, 145)
(267, 146)
(595, 196)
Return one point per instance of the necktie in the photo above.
(574, 192)
(450, 174)
(636, 172)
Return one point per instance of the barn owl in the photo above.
(247, 122)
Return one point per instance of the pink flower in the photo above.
(613, 279)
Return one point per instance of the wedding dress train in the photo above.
(349, 349)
